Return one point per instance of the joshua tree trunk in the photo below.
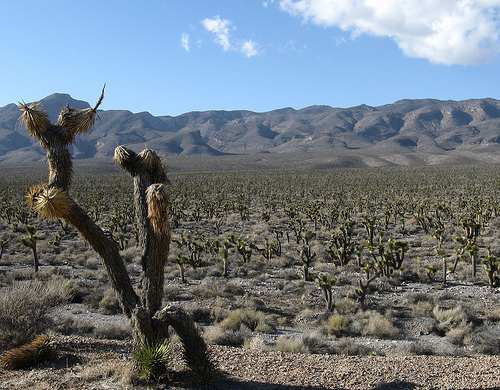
(52, 200)
(35, 257)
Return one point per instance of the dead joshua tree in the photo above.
(53, 200)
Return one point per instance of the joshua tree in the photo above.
(53, 200)
(3, 245)
(29, 241)
(326, 283)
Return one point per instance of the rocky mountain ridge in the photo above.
(423, 131)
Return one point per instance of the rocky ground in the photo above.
(101, 364)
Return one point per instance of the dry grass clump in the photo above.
(291, 344)
(369, 323)
(347, 346)
(254, 320)
(230, 337)
(379, 326)
(211, 288)
(24, 309)
(122, 374)
(420, 348)
(109, 303)
(337, 324)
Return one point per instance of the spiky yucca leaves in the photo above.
(152, 166)
(40, 350)
(50, 202)
(152, 358)
(34, 118)
(126, 158)
(79, 121)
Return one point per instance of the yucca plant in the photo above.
(152, 358)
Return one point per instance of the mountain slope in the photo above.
(408, 131)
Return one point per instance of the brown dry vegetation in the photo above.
(264, 306)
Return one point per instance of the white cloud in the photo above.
(249, 48)
(220, 27)
(444, 31)
(185, 41)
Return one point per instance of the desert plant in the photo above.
(306, 254)
(149, 322)
(3, 245)
(24, 309)
(291, 344)
(431, 272)
(225, 256)
(254, 320)
(492, 266)
(325, 283)
(378, 326)
(29, 241)
(341, 246)
(152, 358)
(40, 350)
(371, 273)
(337, 324)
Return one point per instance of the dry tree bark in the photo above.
(52, 200)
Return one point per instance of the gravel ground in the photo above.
(104, 364)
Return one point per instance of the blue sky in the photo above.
(172, 57)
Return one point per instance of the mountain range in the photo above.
(407, 132)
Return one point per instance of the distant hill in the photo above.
(407, 132)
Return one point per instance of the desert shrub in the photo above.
(348, 347)
(109, 303)
(376, 325)
(419, 297)
(337, 324)
(422, 309)
(448, 319)
(210, 288)
(381, 327)
(316, 343)
(221, 336)
(421, 348)
(254, 320)
(346, 306)
(70, 325)
(291, 344)
(113, 332)
(24, 309)
(486, 339)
